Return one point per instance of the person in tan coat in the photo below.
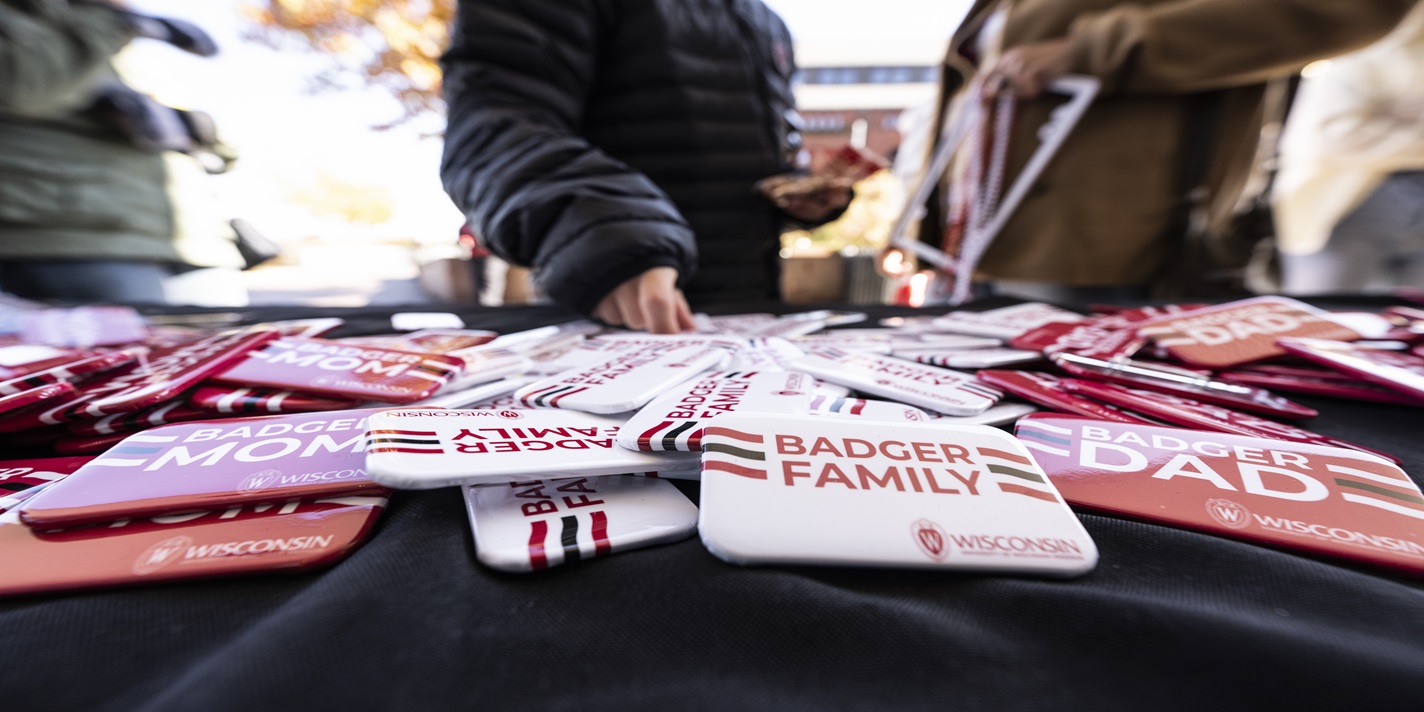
(1178, 115)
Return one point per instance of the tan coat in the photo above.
(1108, 208)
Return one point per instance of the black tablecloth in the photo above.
(1170, 619)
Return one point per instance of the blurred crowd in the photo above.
(642, 159)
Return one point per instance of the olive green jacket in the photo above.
(70, 187)
(1109, 209)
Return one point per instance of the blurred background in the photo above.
(333, 107)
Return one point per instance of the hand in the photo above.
(180, 33)
(817, 204)
(649, 301)
(1028, 69)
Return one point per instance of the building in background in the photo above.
(855, 93)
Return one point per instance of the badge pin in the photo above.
(1324, 501)
(937, 389)
(675, 419)
(625, 382)
(1240, 332)
(538, 524)
(211, 465)
(428, 448)
(788, 489)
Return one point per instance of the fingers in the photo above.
(648, 301)
(685, 321)
(607, 311)
(658, 299)
(1029, 69)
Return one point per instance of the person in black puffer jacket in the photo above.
(613, 146)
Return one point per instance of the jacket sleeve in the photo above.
(50, 50)
(517, 75)
(1201, 45)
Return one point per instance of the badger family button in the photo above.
(764, 354)
(213, 464)
(1005, 322)
(937, 389)
(626, 381)
(790, 489)
(869, 409)
(343, 371)
(1327, 501)
(288, 537)
(674, 420)
(1240, 332)
(427, 448)
(536, 524)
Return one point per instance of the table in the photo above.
(1170, 619)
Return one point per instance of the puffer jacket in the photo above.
(595, 139)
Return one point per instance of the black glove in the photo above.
(180, 33)
(138, 117)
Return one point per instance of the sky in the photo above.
(287, 136)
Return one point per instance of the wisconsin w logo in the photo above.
(161, 554)
(259, 480)
(1228, 513)
(931, 539)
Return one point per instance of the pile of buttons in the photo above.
(173, 452)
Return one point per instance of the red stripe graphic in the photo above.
(601, 545)
(554, 402)
(734, 468)
(426, 433)
(733, 434)
(647, 437)
(1012, 488)
(537, 531)
(859, 406)
(532, 396)
(1005, 455)
(405, 449)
